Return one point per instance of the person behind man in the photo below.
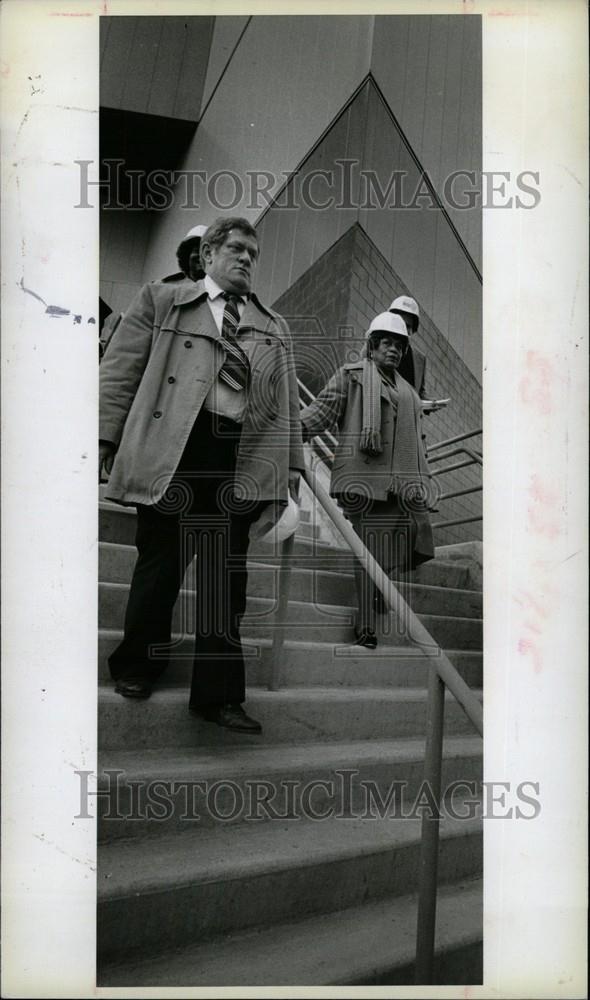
(200, 430)
(188, 255)
(413, 363)
(380, 475)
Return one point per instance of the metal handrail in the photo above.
(396, 604)
(453, 440)
(442, 674)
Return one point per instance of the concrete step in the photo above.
(306, 621)
(162, 893)
(151, 792)
(305, 513)
(370, 945)
(291, 715)
(116, 564)
(312, 664)
(117, 524)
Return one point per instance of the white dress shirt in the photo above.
(221, 399)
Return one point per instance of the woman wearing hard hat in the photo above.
(380, 474)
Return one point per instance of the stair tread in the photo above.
(249, 849)
(211, 762)
(345, 610)
(259, 563)
(344, 649)
(299, 694)
(331, 949)
(324, 547)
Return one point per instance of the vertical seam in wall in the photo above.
(178, 78)
(426, 88)
(129, 51)
(151, 86)
(225, 68)
(103, 38)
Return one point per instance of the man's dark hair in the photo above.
(218, 231)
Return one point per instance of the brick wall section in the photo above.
(317, 307)
(329, 308)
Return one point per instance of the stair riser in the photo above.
(116, 566)
(182, 915)
(305, 622)
(461, 966)
(232, 798)
(159, 722)
(119, 525)
(317, 666)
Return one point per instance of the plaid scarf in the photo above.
(409, 460)
(371, 442)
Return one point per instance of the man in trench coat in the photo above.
(200, 430)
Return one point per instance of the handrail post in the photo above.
(428, 875)
(278, 638)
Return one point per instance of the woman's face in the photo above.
(389, 352)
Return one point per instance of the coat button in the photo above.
(188, 343)
(171, 379)
(157, 414)
(268, 341)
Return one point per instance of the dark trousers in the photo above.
(197, 516)
(388, 532)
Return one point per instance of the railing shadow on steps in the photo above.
(442, 674)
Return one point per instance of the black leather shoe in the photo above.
(133, 687)
(365, 637)
(229, 717)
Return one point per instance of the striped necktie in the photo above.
(235, 370)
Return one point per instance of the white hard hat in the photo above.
(388, 322)
(277, 522)
(405, 303)
(193, 234)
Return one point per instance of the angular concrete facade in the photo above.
(356, 127)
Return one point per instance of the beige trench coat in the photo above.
(340, 406)
(354, 473)
(156, 373)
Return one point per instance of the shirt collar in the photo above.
(188, 291)
(214, 291)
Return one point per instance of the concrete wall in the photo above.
(154, 65)
(418, 243)
(272, 99)
(430, 69)
(280, 91)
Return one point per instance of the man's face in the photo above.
(389, 352)
(195, 268)
(408, 319)
(233, 263)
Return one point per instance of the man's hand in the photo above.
(106, 454)
(432, 405)
(294, 481)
